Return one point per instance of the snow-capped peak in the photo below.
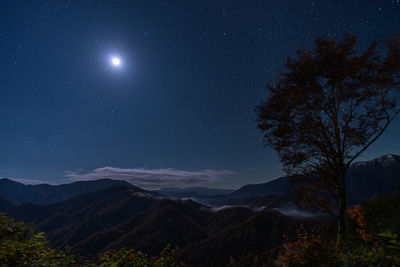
(384, 161)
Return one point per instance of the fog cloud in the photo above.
(294, 212)
(152, 178)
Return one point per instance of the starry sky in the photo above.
(179, 111)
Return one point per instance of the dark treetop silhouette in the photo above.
(327, 109)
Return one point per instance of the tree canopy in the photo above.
(331, 104)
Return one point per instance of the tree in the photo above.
(329, 106)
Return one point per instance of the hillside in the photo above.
(6, 203)
(365, 180)
(263, 231)
(369, 179)
(193, 192)
(127, 216)
(94, 221)
(45, 193)
(123, 217)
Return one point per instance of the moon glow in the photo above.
(116, 61)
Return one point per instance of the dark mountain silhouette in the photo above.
(72, 221)
(114, 217)
(124, 217)
(178, 223)
(365, 180)
(7, 203)
(254, 193)
(193, 192)
(227, 217)
(279, 186)
(269, 201)
(127, 216)
(261, 232)
(45, 194)
(369, 179)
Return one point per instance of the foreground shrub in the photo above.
(131, 258)
(365, 245)
(20, 246)
(308, 250)
(375, 249)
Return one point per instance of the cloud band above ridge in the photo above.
(152, 178)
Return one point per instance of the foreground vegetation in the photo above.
(20, 246)
(372, 239)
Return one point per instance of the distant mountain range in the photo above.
(368, 179)
(123, 217)
(94, 216)
(45, 193)
(193, 192)
(365, 180)
(7, 203)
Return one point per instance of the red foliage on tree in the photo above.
(357, 214)
(327, 109)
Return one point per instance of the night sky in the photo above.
(179, 109)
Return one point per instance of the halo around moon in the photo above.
(115, 61)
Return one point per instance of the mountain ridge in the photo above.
(360, 181)
(126, 216)
(46, 194)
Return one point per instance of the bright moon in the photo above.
(116, 61)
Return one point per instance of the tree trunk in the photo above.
(342, 206)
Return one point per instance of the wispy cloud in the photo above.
(152, 178)
(295, 212)
(254, 209)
